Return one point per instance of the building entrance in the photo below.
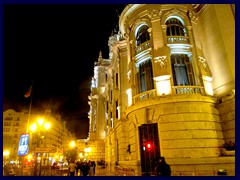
(149, 147)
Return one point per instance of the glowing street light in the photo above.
(72, 144)
(39, 124)
(6, 153)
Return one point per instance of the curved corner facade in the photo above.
(169, 82)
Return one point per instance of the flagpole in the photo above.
(30, 108)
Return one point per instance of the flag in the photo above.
(28, 93)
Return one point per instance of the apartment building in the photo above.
(56, 138)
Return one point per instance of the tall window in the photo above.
(142, 35)
(145, 76)
(182, 70)
(175, 27)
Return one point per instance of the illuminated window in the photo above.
(145, 76)
(182, 70)
(175, 27)
(142, 35)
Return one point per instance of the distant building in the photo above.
(169, 82)
(56, 138)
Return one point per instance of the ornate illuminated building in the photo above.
(169, 82)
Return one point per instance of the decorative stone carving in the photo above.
(164, 27)
(129, 75)
(204, 66)
(202, 61)
(154, 14)
(189, 28)
(193, 17)
(149, 30)
(162, 60)
(120, 36)
(175, 11)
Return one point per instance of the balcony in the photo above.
(177, 40)
(142, 47)
(144, 96)
(188, 90)
(176, 90)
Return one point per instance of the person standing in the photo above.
(91, 168)
(94, 166)
(162, 168)
(78, 168)
(85, 169)
(72, 168)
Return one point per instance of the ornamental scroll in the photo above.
(204, 68)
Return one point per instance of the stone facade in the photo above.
(170, 80)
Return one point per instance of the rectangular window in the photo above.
(182, 70)
(7, 123)
(116, 109)
(111, 96)
(106, 77)
(8, 118)
(116, 80)
(145, 76)
(16, 124)
(6, 129)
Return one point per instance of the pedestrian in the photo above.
(94, 166)
(77, 167)
(162, 168)
(81, 168)
(90, 168)
(85, 169)
(72, 168)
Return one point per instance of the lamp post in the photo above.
(39, 129)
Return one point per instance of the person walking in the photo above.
(72, 168)
(91, 168)
(162, 168)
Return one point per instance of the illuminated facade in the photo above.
(169, 81)
(15, 124)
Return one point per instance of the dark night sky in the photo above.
(55, 46)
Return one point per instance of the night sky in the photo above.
(55, 47)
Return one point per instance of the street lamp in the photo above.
(40, 126)
(72, 144)
(6, 154)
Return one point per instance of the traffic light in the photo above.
(148, 146)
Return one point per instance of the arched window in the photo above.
(142, 35)
(182, 70)
(175, 27)
(145, 76)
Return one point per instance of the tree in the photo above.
(70, 154)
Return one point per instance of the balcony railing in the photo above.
(142, 47)
(188, 89)
(176, 90)
(177, 39)
(144, 96)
